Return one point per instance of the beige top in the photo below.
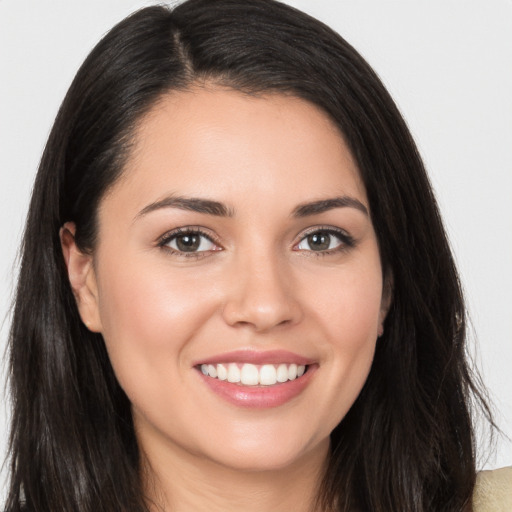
(493, 491)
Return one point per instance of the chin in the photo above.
(278, 453)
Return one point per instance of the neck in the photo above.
(185, 483)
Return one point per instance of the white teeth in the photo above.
(252, 375)
(282, 373)
(233, 373)
(268, 375)
(222, 373)
(249, 375)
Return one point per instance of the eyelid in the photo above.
(168, 236)
(347, 240)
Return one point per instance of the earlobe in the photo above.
(81, 277)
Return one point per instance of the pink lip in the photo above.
(256, 357)
(259, 397)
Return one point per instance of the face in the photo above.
(236, 280)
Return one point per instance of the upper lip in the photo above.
(256, 357)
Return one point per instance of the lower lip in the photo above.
(259, 397)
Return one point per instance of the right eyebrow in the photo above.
(194, 204)
(317, 207)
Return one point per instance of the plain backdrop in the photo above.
(447, 63)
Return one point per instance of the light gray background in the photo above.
(448, 65)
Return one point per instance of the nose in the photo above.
(262, 295)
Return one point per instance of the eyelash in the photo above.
(164, 241)
(346, 241)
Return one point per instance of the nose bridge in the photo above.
(261, 293)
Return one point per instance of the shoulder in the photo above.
(493, 491)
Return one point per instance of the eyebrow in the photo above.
(193, 204)
(323, 205)
(210, 207)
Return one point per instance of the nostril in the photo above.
(261, 313)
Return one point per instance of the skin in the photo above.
(259, 285)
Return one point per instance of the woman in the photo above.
(236, 290)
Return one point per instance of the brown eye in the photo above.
(324, 240)
(319, 241)
(190, 242)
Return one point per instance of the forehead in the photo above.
(219, 142)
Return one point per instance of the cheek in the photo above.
(347, 311)
(347, 303)
(148, 315)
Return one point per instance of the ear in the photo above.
(387, 299)
(82, 278)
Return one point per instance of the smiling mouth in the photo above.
(248, 374)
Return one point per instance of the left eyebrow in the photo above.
(324, 205)
(194, 204)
